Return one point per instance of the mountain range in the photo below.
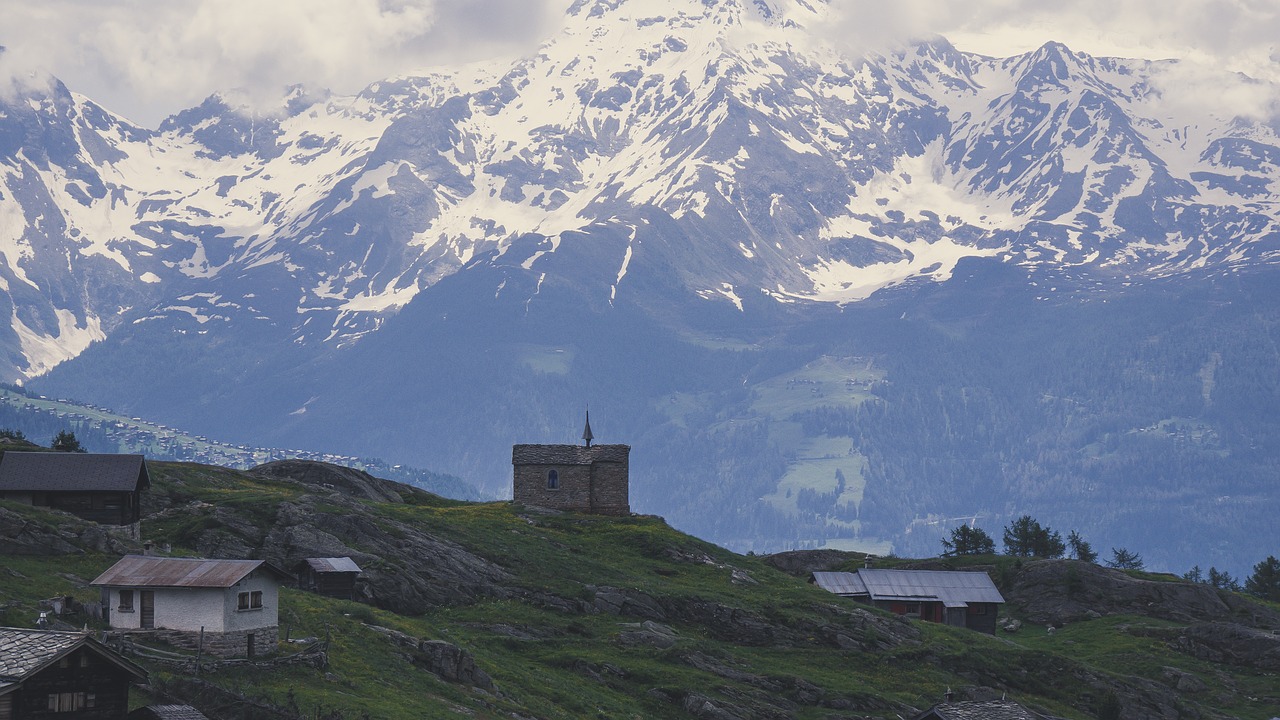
(830, 299)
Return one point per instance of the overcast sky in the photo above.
(146, 59)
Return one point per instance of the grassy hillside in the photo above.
(573, 617)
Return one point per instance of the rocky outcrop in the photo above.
(800, 563)
(1231, 643)
(50, 532)
(326, 476)
(1056, 592)
(445, 660)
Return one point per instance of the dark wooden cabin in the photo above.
(334, 577)
(48, 674)
(102, 488)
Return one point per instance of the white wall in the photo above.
(214, 609)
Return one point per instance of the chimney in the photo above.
(950, 695)
(148, 548)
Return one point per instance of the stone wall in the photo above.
(224, 644)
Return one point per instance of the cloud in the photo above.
(147, 59)
(1224, 31)
(1227, 49)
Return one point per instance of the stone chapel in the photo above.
(580, 478)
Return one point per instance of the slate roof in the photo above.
(954, 588)
(342, 564)
(567, 454)
(148, 571)
(167, 712)
(58, 471)
(979, 710)
(24, 652)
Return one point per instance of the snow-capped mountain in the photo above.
(706, 175)
(807, 174)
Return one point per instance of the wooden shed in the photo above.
(103, 488)
(334, 577)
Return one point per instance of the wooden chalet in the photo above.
(102, 488)
(48, 674)
(333, 577)
(963, 599)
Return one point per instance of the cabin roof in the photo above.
(169, 712)
(342, 565)
(979, 710)
(568, 454)
(24, 652)
(148, 571)
(62, 471)
(954, 588)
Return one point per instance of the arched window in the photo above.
(553, 480)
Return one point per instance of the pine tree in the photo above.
(967, 540)
(1124, 559)
(1081, 549)
(65, 441)
(1265, 580)
(1025, 537)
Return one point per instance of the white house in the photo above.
(227, 607)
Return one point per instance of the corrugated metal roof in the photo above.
(840, 583)
(24, 652)
(342, 564)
(147, 571)
(955, 588)
(568, 454)
(58, 471)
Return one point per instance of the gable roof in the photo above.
(568, 454)
(24, 652)
(342, 564)
(167, 712)
(954, 588)
(148, 571)
(840, 583)
(978, 710)
(59, 471)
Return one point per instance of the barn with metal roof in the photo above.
(960, 598)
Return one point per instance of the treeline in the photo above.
(1026, 537)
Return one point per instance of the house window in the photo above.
(70, 701)
(978, 609)
(126, 601)
(553, 480)
(249, 600)
(242, 601)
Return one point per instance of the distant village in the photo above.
(156, 440)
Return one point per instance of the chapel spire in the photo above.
(586, 431)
